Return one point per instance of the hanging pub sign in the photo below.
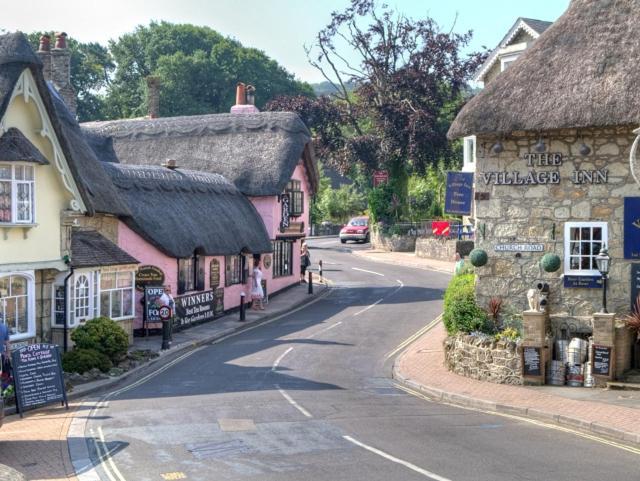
(214, 273)
(37, 371)
(152, 303)
(380, 177)
(149, 276)
(459, 193)
(194, 309)
(632, 227)
(285, 211)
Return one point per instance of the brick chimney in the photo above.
(245, 99)
(44, 52)
(153, 96)
(61, 71)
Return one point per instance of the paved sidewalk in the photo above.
(613, 414)
(37, 444)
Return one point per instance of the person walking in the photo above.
(257, 294)
(305, 261)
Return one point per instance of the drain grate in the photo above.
(223, 449)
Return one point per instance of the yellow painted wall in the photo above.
(43, 241)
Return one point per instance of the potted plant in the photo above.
(632, 321)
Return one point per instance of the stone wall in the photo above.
(393, 243)
(442, 248)
(484, 359)
(536, 212)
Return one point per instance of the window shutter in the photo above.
(200, 273)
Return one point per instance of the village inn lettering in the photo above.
(534, 177)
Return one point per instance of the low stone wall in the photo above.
(484, 359)
(442, 249)
(393, 243)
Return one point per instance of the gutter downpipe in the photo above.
(66, 311)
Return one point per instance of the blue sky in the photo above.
(279, 27)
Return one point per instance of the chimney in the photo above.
(44, 52)
(245, 98)
(153, 96)
(170, 164)
(61, 71)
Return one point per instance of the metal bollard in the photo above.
(320, 269)
(242, 307)
(310, 282)
(166, 333)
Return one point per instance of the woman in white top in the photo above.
(257, 294)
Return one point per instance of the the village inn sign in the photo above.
(533, 177)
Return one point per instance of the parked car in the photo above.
(356, 230)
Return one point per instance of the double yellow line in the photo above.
(415, 336)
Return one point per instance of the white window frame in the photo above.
(31, 304)
(506, 60)
(14, 192)
(105, 310)
(469, 150)
(567, 246)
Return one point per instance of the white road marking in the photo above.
(413, 337)
(293, 403)
(324, 330)
(368, 272)
(369, 307)
(113, 473)
(277, 363)
(406, 464)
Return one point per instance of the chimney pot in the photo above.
(61, 40)
(241, 95)
(45, 43)
(170, 164)
(251, 94)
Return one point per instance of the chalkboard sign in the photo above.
(214, 273)
(37, 371)
(531, 361)
(601, 360)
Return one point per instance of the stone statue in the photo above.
(533, 296)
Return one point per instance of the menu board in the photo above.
(214, 274)
(219, 302)
(531, 361)
(601, 360)
(37, 371)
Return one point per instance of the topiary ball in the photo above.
(478, 257)
(550, 262)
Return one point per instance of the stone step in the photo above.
(623, 386)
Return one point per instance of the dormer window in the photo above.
(17, 194)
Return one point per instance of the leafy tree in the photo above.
(198, 68)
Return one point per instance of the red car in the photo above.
(356, 230)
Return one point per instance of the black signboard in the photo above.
(149, 276)
(286, 212)
(531, 357)
(194, 309)
(214, 273)
(37, 371)
(635, 285)
(218, 308)
(152, 303)
(601, 360)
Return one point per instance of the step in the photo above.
(623, 386)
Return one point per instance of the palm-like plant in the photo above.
(493, 309)
(632, 320)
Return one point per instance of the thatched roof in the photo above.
(16, 55)
(181, 211)
(257, 152)
(15, 147)
(582, 72)
(91, 249)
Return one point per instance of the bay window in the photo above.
(582, 243)
(116, 294)
(17, 194)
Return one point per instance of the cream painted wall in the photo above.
(43, 241)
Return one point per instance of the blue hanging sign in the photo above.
(459, 193)
(632, 227)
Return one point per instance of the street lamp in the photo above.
(603, 260)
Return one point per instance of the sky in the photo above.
(280, 28)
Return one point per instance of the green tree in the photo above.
(338, 205)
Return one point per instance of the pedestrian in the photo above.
(5, 348)
(459, 264)
(305, 261)
(257, 294)
(166, 299)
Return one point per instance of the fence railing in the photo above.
(437, 228)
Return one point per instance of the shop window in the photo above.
(17, 194)
(282, 258)
(191, 274)
(582, 243)
(296, 196)
(234, 270)
(17, 304)
(117, 295)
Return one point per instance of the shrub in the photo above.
(83, 360)
(103, 335)
(461, 313)
(508, 334)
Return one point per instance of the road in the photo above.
(310, 397)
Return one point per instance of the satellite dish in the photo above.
(634, 163)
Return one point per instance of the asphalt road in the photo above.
(309, 397)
